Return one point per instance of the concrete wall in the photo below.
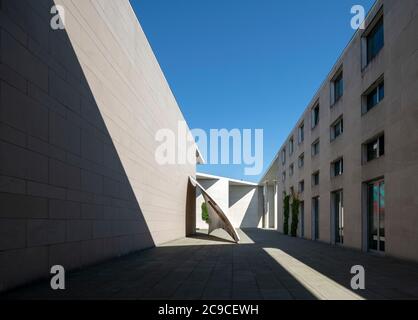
(239, 202)
(78, 116)
(396, 116)
(243, 206)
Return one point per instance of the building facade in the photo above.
(352, 158)
(80, 109)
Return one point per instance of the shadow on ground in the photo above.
(265, 265)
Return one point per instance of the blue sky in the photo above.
(246, 63)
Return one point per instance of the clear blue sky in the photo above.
(246, 63)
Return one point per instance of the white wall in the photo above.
(240, 203)
(244, 209)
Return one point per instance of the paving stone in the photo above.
(211, 268)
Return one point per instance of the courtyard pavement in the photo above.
(265, 265)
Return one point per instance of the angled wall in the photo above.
(239, 200)
(79, 111)
(243, 206)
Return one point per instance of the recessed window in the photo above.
(337, 129)
(375, 148)
(291, 146)
(301, 160)
(375, 41)
(284, 176)
(283, 156)
(315, 116)
(315, 178)
(337, 167)
(373, 96)
(291, 170)
(301, 186)
(337, 88)
(301, 133)
(315, 148)
(315, 218)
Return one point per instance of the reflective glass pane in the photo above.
(376, 198)
(382, 216)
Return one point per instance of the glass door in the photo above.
(376, 215)
(339, 217)
(315, 218)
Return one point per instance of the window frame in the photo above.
(291, 170)
(313, 177)
(315, 143)
(291, 146)
(373, 32)
(301, 158)
(375, 22)
(301, 133)
(380, 82)
(339, 121)
(340, 161)
(381, 146)
(337, 78)
(315, 117)
(301, 186)
(283, 156)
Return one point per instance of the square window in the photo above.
(375, 148)
(301, 186)
(337, 168)
(315, 179)
(301, 160)
(373, 96)
(315, 148)
(337, 129)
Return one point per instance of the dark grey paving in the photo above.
(265, 265)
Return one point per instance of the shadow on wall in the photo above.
(244, 206)
(65, 196)
(240, 201)
(207, 183)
